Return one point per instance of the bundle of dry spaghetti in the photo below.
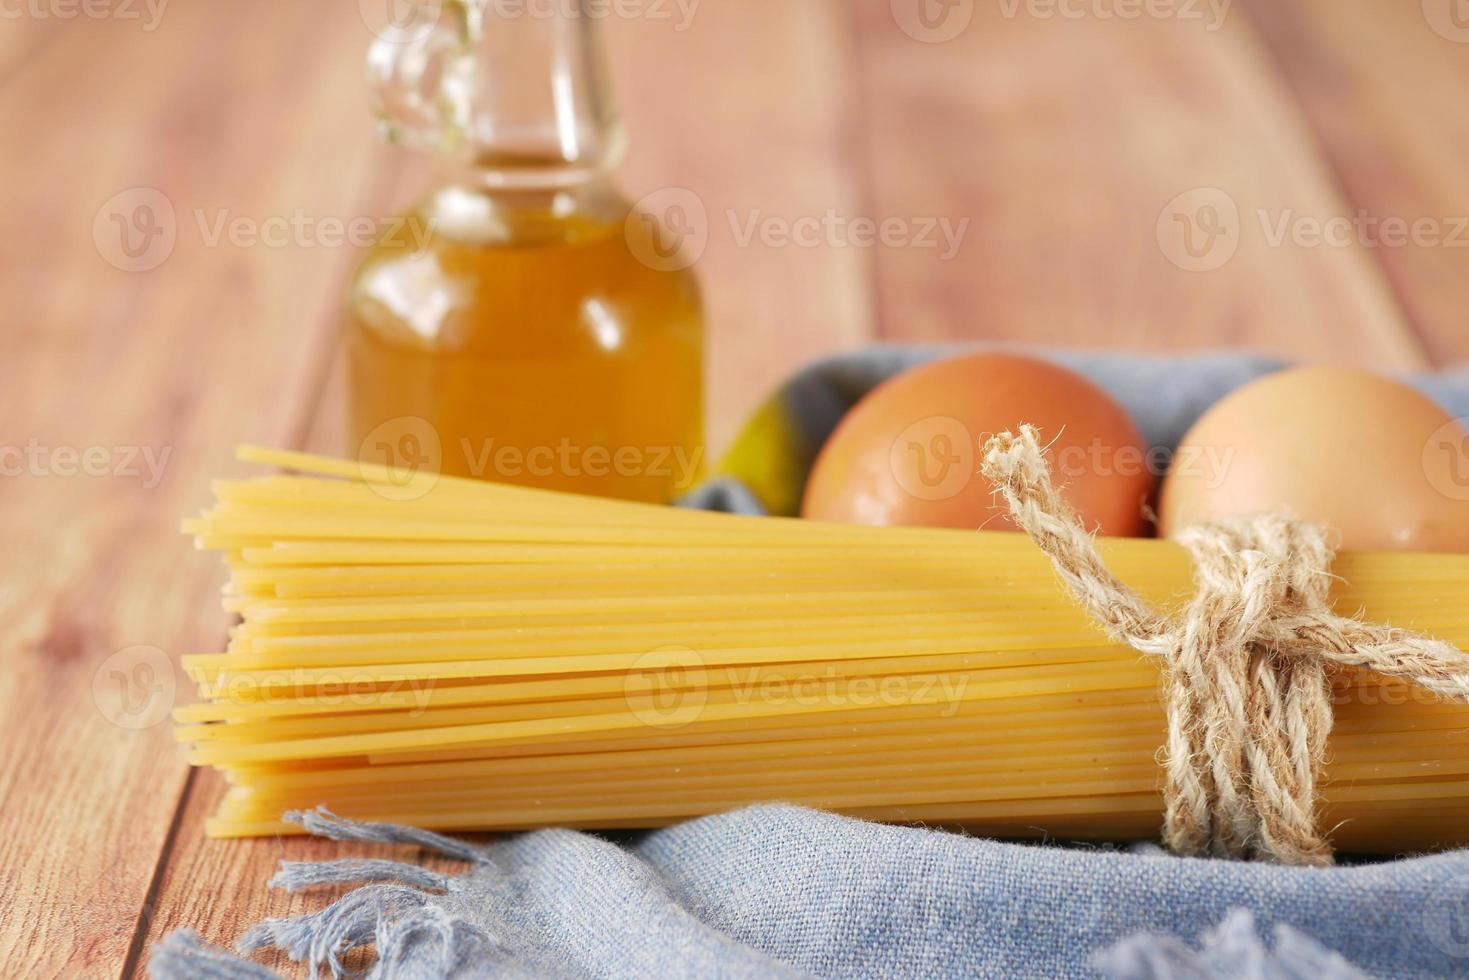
(455, 654)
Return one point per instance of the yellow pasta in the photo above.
(464, 655)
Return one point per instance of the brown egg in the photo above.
(909, 452)
(1374, 459)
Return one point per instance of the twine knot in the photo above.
(1249, 660)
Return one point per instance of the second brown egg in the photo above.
(1372, 458)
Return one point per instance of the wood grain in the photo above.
(1383, 86)
(23, 38)
(1063, 141)
(216, 344)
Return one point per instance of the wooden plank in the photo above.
(103, 366)
(23, 37)
(1069, 142)
(771, 308)
(1382, 85)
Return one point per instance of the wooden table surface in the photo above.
(1290, 177)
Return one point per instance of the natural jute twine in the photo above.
(1247, 686)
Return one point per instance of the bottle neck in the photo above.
(465, 208)
(548, 117)
(513, 95)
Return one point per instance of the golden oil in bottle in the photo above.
(509, 329)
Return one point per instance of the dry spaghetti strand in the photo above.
(463, 655)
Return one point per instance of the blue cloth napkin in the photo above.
(779, 891)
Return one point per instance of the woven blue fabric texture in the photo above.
(779, 891)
